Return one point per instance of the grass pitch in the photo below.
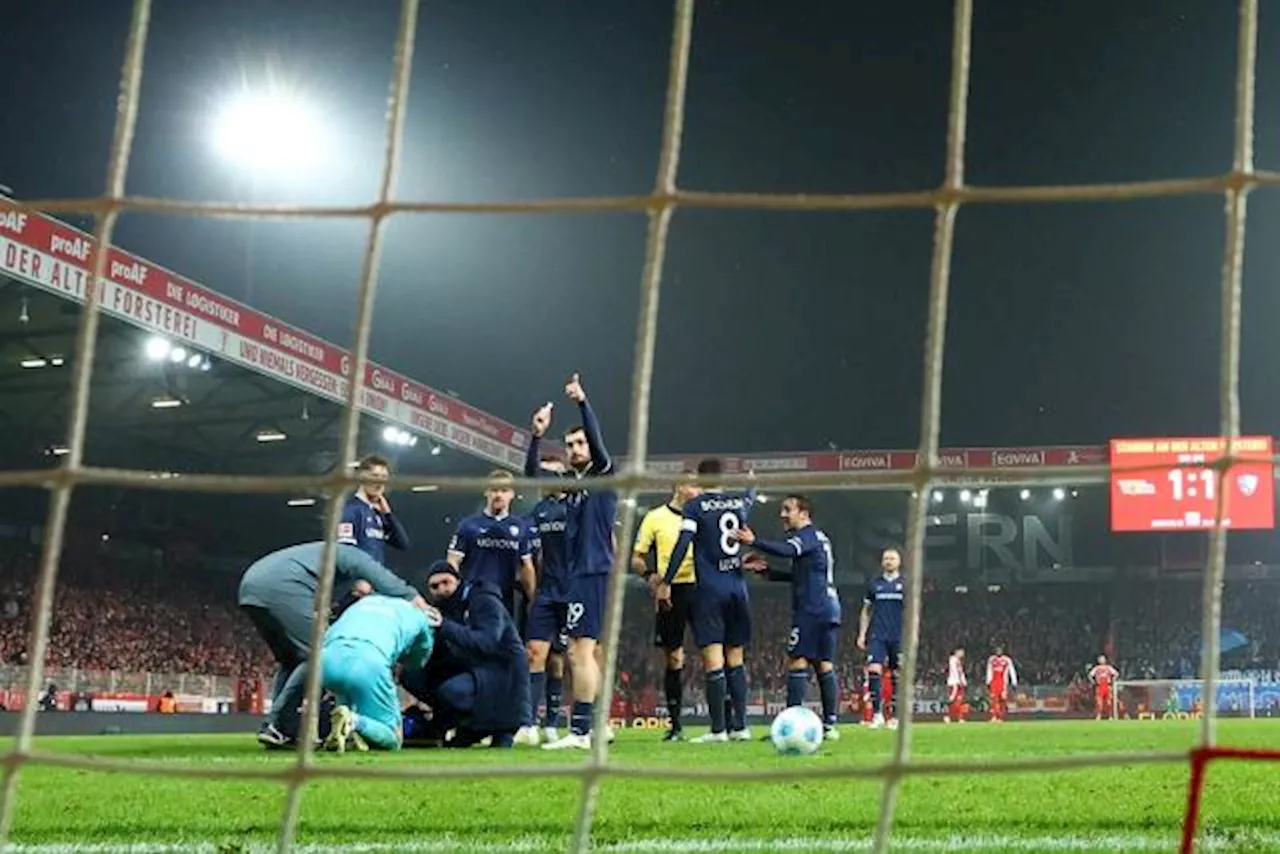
(1138, 808)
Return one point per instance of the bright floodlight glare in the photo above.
(193, 361)
(937, 497)
(1059, 493)
(157, 348)
(965, 495)
(177, 354)
(389, 434)
(1024, 494)
(435, 450)
(269, 131)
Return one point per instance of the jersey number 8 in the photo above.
(729, 526)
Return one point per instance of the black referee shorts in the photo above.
(669, 624)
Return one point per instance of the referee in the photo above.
(657, 537)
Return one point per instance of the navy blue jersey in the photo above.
(813, 589)
(370, 531)
(492, 549)
(591, 512)
(885, 596)
(549, 519)
(709, 523)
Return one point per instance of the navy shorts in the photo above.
(721, 616)
(548, 619)
(812, 638)
(585, 614)
(883, 652)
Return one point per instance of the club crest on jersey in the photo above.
(346, 530)
(515, 530)
(1248, 484)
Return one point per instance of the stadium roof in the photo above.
(264, 375)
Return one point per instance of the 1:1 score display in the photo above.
(1193, 483)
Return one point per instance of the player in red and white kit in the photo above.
(956, 683)
(1103, 676)
(1002, 678)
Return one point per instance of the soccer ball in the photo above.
(796, 731)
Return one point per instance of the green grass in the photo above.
(1114, 809)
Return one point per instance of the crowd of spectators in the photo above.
(112, 614)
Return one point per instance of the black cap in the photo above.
(439, 566)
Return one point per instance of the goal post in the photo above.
(1182, 699)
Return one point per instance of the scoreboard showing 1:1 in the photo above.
(1179, 492)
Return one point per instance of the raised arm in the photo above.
(537, 429)
(397, 536)
(602, 463)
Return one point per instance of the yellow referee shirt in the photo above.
(659, 530)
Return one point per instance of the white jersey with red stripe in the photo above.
(1103, 675)
(955, 672)
(1000, 671)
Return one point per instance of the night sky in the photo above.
(1069, 323)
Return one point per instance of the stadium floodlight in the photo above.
(980, 500)
(269, 131)
(436, 450)
(178, 355)
(57, 361)
(194, 360)
(937, 497)
(157, 348)
(965, 496)
(425, 487)
(301, 502)
(1075, 493)
(34, 362)
(396, 436)
(1025, 494)
(1059, 493)
(271, 436)
(166, 403)
(59, 451)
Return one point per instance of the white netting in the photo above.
(659, 205)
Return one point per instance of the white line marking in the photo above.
(1117, 843)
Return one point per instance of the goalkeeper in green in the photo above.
(360, 653)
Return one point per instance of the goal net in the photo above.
(73, 472)
(1182, 699)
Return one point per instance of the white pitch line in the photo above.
(955, 844)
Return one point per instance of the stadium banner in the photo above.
(117, 701)
(888, 460)
(58, 258)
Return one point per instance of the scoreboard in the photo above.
(1176, 490)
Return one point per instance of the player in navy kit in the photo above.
(495, 546)
(589, 540)
(880, 627)
(546, 630)
(712, 521)
(815, 605)
(367, 522)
